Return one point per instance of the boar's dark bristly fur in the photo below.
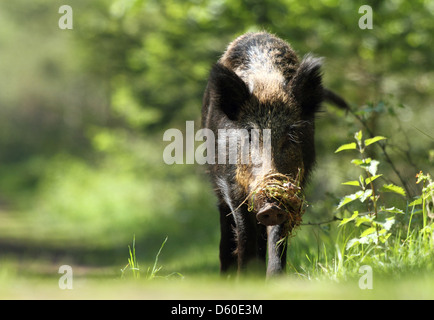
(229, 91)
(259, 83)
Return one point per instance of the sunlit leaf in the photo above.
(357, 162)
(351, 243)
(373, 140)
(416, 202)
(393, 188)
(370, 179)
(384, 238)
(346, 220)
(364, 219)
(351, 183)
(367, 232)
(349, 146)
(392, 210)
(387, 225)
(370, 166)
(349, 198)
(365, 195)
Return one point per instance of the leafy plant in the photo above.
(376, 221)
(426, 201)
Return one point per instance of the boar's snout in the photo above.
(277, 199)
(270, 215)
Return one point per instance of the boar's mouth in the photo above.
(277, 199)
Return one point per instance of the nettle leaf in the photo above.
(391, 210)
(372, 167)
(384, 238)
(387, 225)
(373, 140)
(346, 220)
(365, 195)
(364, 219)
(368, 164)
(359, 162)
(370, 179)
(350, 198)
(393, 188)
(416, 202)
(351, 183)
(367, 232)
(356, 241)
(351, 243)
(349, 146)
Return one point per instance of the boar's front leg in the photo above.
(276, 250)
(228, 245)
(250, 241)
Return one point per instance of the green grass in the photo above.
(319, 268)
(213, 287)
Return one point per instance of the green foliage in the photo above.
(374, 228)
(426, 200)
(382, 223)
(375, 221)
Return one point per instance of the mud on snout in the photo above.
(277, 199)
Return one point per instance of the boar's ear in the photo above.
(307, 85)
(227, 90)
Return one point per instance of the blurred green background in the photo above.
(83, 112)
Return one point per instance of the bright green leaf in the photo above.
(416, 202)
(370, 179)
(383, 239)
(357, 162)
(364, 219)
(351, 183)
(382, 232)
(351, 243)
(370, 166)
(365, 195)
(349, 198)
(362, 162)
(349, 146)
(391, 210)
(367, 232)
(387, 225)
(373, 140)
(393, 188)
(346, 220)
